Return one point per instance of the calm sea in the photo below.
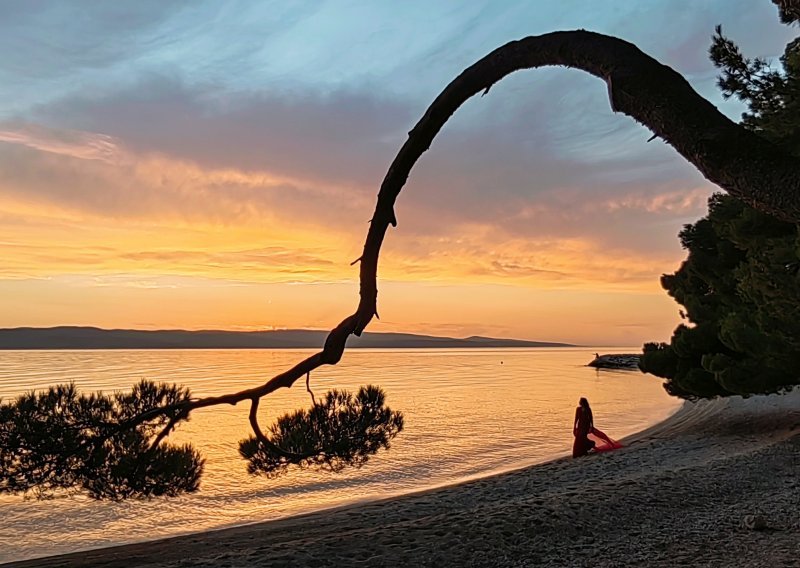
(468, 413)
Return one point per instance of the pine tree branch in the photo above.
(168, 428)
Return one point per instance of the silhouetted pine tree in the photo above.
(740, 285)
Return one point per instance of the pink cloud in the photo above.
(72, 143)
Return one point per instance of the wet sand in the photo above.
(717, 484)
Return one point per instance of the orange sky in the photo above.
(217, 264)
(157, 172)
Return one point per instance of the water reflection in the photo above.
(466, 415)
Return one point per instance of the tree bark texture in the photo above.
(735, 159)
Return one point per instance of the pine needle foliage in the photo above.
(62, 440)
(338, 431)
(740, 288)
(112, 446)
(740, 284)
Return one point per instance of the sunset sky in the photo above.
(214, 165)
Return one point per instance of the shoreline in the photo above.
(519, 465)
(722, 460)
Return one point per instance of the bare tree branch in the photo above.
(308, 388)
(168, 428)
(266, 441)
(735, 159)
(727, 154)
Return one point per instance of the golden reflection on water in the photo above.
(467, 413)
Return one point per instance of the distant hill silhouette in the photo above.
(71, 337)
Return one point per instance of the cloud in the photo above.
(477, 178)
(538, 181)
(269, 264)
(544, 148)
(261, 127)
(97, 175)
(156, 158)
(682, 202)
(340, 137)
(76, 144)
(277, 262)
(96, 34)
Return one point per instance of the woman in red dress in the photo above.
(587, 437)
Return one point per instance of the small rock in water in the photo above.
(615, 361)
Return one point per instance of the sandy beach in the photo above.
(717, 484)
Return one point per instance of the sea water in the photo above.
(468, 413)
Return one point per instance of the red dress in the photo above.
(587, 437)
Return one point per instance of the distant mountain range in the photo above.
(70, 337)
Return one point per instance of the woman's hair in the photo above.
(587, 409)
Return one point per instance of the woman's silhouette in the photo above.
(586, 435)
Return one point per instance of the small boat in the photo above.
(615, 361)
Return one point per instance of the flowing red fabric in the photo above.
(602, 442)
(588, 438)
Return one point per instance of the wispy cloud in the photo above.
(554, 237)
(677, 202)
(72, 143)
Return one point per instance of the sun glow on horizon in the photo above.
(205, 180)
(169, 244)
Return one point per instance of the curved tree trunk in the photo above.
(748, 167)
(735, 159)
